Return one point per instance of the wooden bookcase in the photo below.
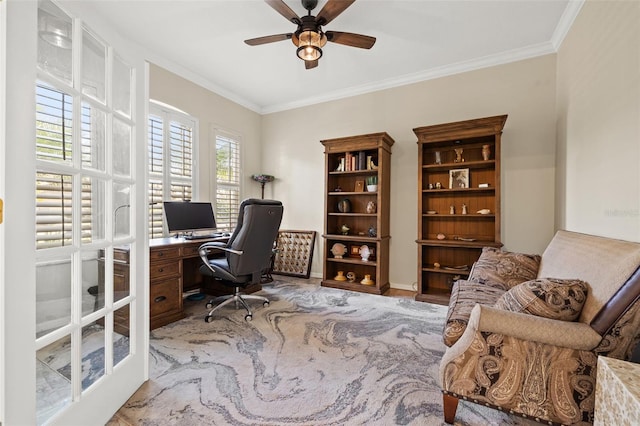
(450, 240)
(346, 179)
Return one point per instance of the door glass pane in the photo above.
(121, 275)
(92, 281)
(53, 210)
(94, 60)
(121, 86)
(121, 326)
(93, 209)
(55, 41)
(94, 124)
(53, 378)
(122, 210)
(93, 354)
(54, 124)
(121, 148)
(53, 295)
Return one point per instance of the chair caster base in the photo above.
(208, 318)
(265, 304)
(248, 317)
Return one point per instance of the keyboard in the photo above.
(204, 236)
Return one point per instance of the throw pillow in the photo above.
(553, 298)
(503, 268)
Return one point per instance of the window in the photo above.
(171, 163)
(227, 181)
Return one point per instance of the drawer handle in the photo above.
(161, 270)
(160, 254)
(160, 299)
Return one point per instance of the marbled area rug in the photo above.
(314, 356)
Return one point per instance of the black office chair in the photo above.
(247, 253)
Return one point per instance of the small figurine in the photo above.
(338, 250)
(365, 253)
(351, 276)
(459, 158)
(372, 231)
(344, 230)
(438, 158)
(371, 207)
(452, 209)
(486, 152)
(464, 209)
(438, 185)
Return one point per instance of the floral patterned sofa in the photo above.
(525, 331)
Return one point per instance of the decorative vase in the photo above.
(372, 231)
(486, 152)
(344, 205)
(344, 230)
(372, 188)
(367, 280)
(371, 207)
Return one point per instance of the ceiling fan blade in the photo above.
(310, 64)
(331, 9)
(268, 39)
(350, 39)
(284, 10)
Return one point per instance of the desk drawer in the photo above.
(164, 269)
(191, 251)
(165, 296)
(164, 253)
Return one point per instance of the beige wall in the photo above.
(598, 182)
(524, 90)
(212, 111)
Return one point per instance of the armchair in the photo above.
(540, 367)
(247, 253)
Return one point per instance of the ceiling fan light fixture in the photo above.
(310, 45)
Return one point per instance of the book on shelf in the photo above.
(362, 158)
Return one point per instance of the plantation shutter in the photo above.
(156, 149)
(227, 182)
(170, 166)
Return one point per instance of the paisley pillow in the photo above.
(554, 298)
(504, 269)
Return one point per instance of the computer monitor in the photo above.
(188, 216)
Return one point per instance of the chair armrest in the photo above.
(573, 335)
(205, 249)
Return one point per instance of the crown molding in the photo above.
(196, 78)
(438, 72)
(566, 21)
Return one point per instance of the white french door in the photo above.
(75, 298)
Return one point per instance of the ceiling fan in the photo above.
(309, 37)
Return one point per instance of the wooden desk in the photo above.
(175, 268)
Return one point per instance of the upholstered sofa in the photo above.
(524, 331)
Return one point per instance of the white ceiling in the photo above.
(203, 40)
